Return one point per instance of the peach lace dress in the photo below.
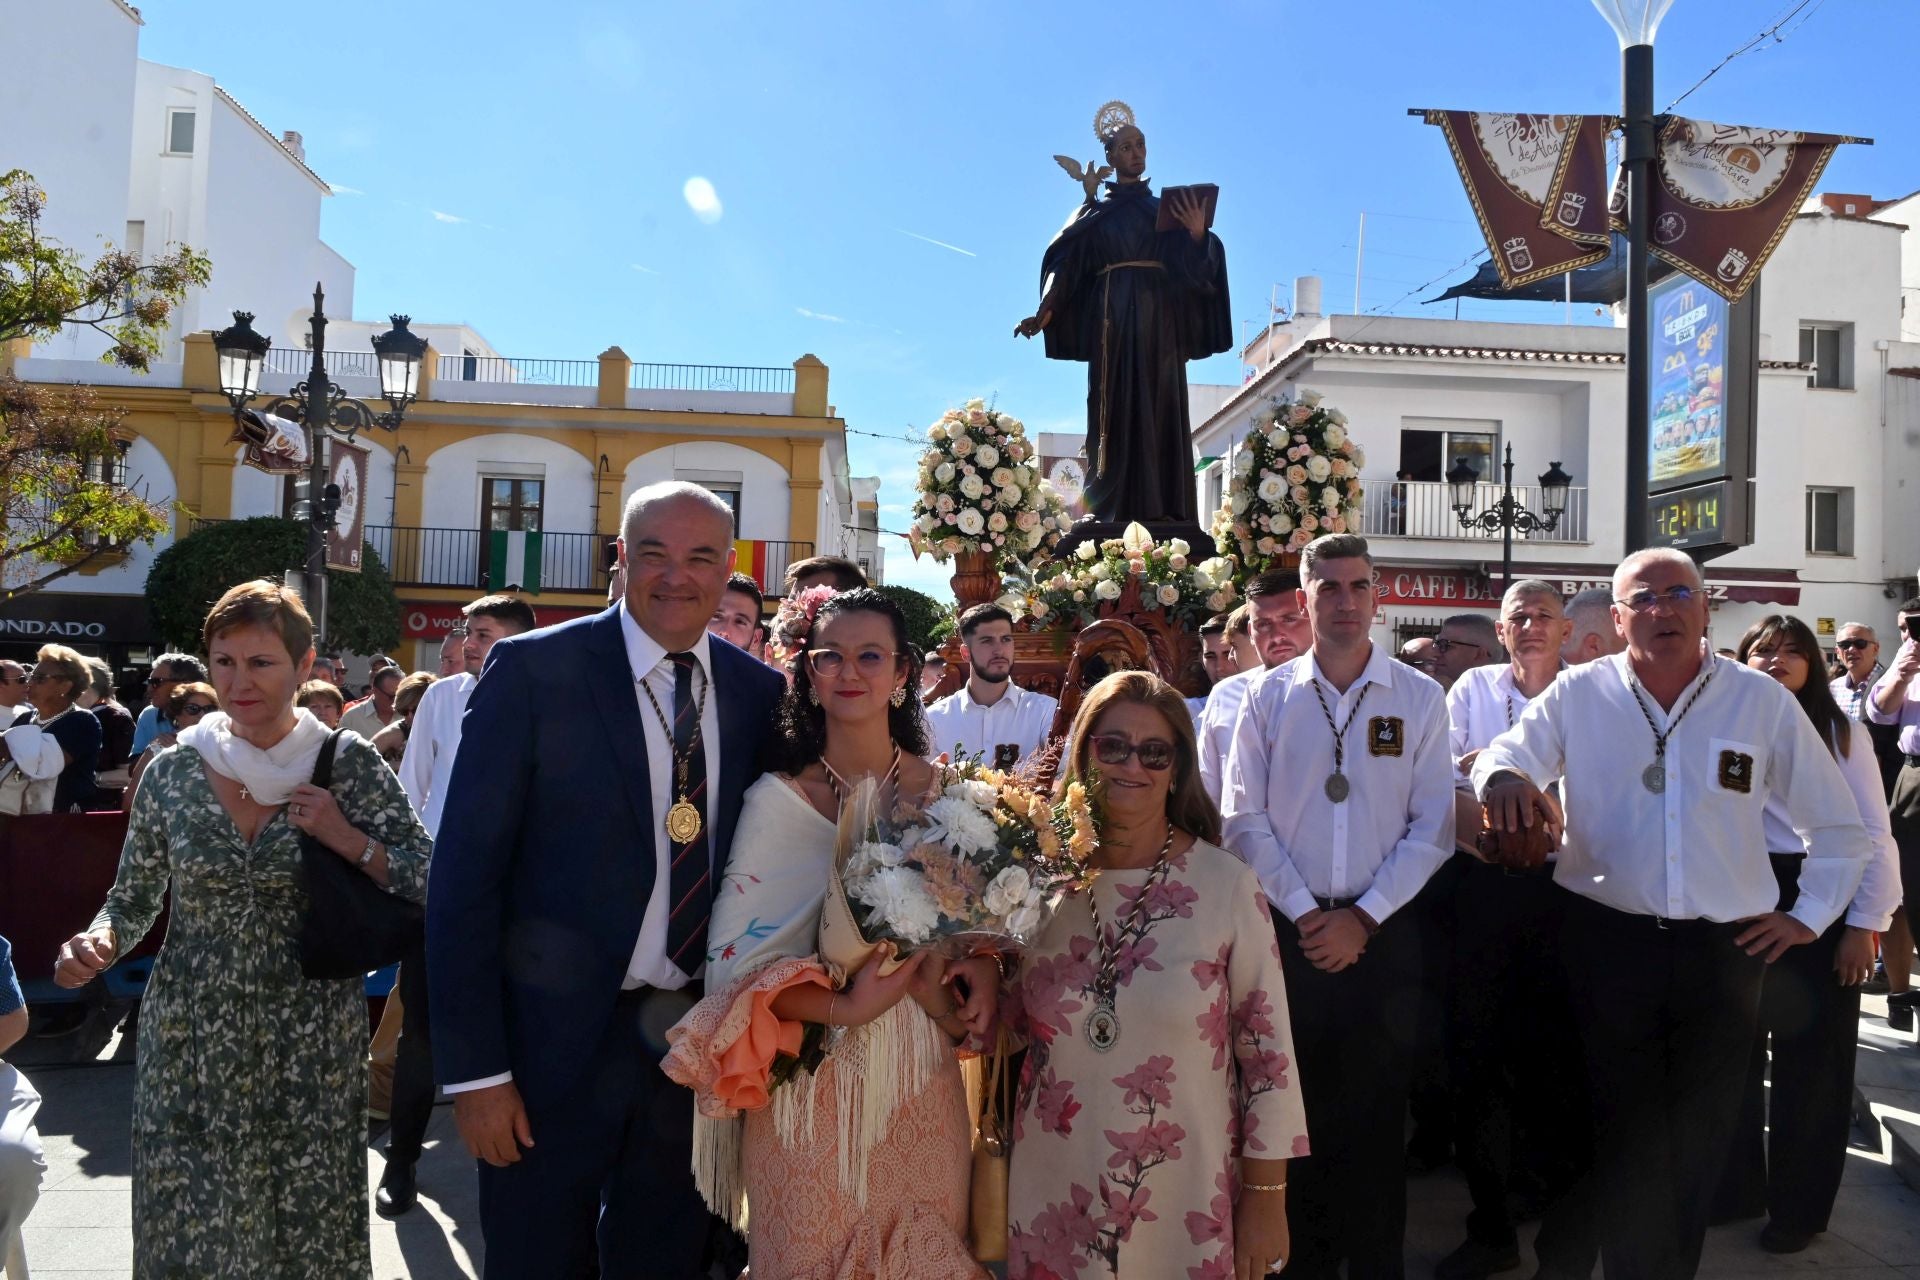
(860, 1170)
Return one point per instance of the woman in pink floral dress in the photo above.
(1158, 1105)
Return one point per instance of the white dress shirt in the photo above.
(650, 966)
(427, 765)
(1214, 733)
(1697, 850)
(1395, 827)
(1484, 703)
(364, 719)
(1878, 896)
(1021, 717)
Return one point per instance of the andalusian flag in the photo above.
(513, 559)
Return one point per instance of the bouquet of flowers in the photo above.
(1296, 476)
(984, 863)
(793, 624)
(1075, 590)
(980, 488)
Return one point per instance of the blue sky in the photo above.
(883, 171)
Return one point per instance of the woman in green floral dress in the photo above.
(249, 1143)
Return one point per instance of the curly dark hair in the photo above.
(802, 725)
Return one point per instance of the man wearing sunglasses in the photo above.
(1279, 632)
(169, 671)
(990, 716)
(1339, 794)
(13, 692)
(1667, 756)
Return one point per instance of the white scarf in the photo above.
(269, 776)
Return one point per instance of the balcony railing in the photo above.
(297, 362)
(710, 377)
(516, 369)
(423, 557)
(1424, 509)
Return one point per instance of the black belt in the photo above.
(1542, 872)
(1333, 904)
(1661, 924)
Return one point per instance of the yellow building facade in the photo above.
(493, 445)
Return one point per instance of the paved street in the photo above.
(80, 1228)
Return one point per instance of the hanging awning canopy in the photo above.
(1603, 282)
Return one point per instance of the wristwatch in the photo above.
(366, 854)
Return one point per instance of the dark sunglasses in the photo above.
(1853, 644)
(196, 709)
(154, 682)
(1111, 748)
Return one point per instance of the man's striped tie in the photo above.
(690, 879)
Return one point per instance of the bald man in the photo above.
(1593, 634)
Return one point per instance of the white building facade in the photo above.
(1837, 442)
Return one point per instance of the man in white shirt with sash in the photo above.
(1277, 624)
(1512, 1055)
(1667, 756)
(1339, 794)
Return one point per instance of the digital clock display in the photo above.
(1690, 517)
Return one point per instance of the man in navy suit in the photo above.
(587, 825)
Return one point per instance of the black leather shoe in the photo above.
(1775, 1238)
(398, 1192)
(1473, 1260)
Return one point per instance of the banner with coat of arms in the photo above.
(1725, 194)
(1532, 179)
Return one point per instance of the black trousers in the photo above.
(1430, 1104)
(1903, 814)
(607, 1188)
(1355, 1034)
(1667, 1011)
(413, 1088)
(1520, 1088)
(1792, 1172)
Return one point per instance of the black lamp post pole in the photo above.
(1637, 75)
(319, 413)
(1508, 508)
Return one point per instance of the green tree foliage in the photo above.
(928, 621)
(45, 286)
(63, 505)
(363, 615)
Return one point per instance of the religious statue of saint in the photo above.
(1135, 291)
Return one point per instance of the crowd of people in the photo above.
(1310, 931)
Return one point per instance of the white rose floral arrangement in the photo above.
(1295, 477)
(980, 489)
(984, 863)
(1091, 582)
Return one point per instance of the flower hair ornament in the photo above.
(793, 621)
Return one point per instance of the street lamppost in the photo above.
(1635, 22)
(323, 407)
(1508, 513)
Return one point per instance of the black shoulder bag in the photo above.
(352, 926)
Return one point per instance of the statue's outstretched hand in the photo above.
(1032, 324)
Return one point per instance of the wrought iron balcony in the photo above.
(1424, 509)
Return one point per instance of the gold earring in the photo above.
(899, 696)
(813, 695)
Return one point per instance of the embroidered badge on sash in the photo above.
(1386, 736)
(1736, 772)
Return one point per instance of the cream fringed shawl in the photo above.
(763, 936)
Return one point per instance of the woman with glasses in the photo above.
(55, 750)
(1810, 998)
(1158, 1104)
(183, 708)
(391, 741)
(838, 1187)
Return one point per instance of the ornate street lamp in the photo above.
(241, 353)
(1635, 22)
(1508, 513)
(323, 407)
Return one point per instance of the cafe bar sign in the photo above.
(1466, 589)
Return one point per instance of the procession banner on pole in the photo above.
(1531, 179)
(347, 469)
(1725, 196)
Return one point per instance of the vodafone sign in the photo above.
(436, 621)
